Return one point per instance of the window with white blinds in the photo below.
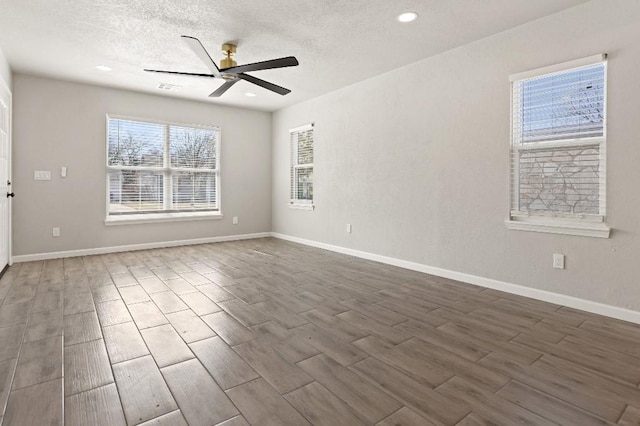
(155, 167)
(302, 165)
(558, 136)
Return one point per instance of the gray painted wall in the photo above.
(59, 124)
(417, 160)
(5, 71)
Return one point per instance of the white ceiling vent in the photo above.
(169, 86)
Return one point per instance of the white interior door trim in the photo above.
(5, 87)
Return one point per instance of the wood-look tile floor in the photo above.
(267, 332)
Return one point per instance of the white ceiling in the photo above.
(336, 42)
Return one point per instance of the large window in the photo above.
(558, 140)
(302, 166)
(161, 170)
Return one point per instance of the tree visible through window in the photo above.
(158, 167)
(558, 141)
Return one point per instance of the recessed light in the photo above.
(250, 94)
(407, 17)
(103, 68)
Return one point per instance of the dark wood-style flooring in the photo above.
(267, 332)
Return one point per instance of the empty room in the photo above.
(293, 212)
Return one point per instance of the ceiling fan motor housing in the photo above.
(229, 50)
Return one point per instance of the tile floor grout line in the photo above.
(17, 358)
(288, 285)
(113, 375)
(151, 354)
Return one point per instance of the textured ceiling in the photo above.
(337, 42)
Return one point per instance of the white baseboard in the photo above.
(133, 247)
(546, 296)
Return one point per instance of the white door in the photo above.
(5, 175)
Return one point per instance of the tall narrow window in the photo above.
(558, 141)
(302, 166)
(161, 168)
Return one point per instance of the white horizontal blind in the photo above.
(194, 191)
(193, 154)
(135, 191)
(302, 165)
(558, 143)
(159, 167)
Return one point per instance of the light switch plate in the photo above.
(42, 175)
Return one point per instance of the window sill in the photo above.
(302, 206)
(560, 226)
(160, 217)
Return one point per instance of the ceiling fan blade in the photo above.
(269, 86)
(192, 74)
(197, 48)
(289, 61)
(220, 90)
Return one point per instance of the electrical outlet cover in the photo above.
(558, 261)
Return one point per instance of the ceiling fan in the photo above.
(230, 71)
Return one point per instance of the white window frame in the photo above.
(167, 172)
(551, 222)
(296, 203)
